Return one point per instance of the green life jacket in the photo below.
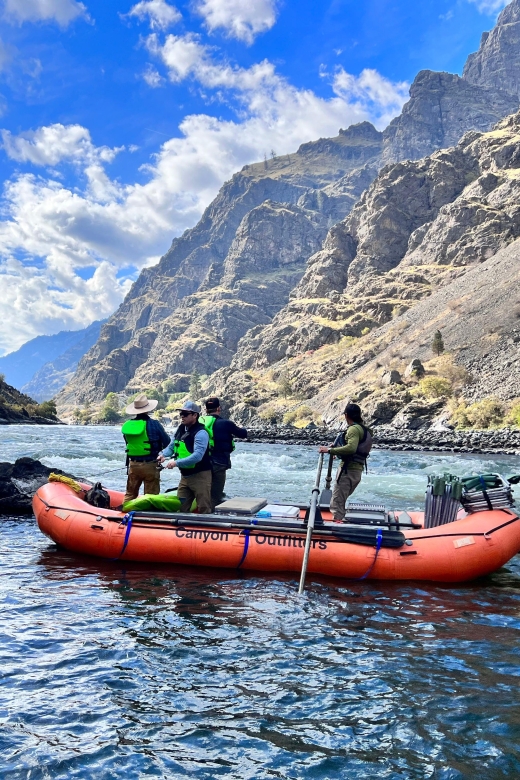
(183, 446)
(136, 438)
(209, 423)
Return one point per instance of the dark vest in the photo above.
(363, 449)
(185, 440)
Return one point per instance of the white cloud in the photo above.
(61, 11)
(53, 144)
(56, 231)
(242, 19)
(489, 6)
(152, 77)
(160, 13)
(372, 92)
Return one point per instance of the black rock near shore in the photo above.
(18, 483)
(501, 441)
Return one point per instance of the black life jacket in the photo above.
(363, 449)
(184, 444)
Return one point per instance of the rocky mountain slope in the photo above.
(445, 229)
(221, 293)
(19, 367)
(52, 377)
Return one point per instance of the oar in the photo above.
(310, 523)
(326, 495)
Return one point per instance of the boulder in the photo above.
(391, 378)
(414, 368)
(18, 483)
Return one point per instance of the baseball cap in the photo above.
(189, 406)
(212, 403)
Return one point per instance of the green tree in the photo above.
(437, 343)
(195, 386)
(154, 394)
(285, 386)
(110, 409)
(47, 409)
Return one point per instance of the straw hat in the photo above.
(141, 405)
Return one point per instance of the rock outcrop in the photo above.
(495, 64)
(19, 482)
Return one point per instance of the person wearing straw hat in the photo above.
(190, 451)
(145, 438)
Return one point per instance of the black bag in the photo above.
(98, 497)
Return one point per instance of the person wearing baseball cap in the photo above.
(190, 452)
(221, 445)
(144, 438)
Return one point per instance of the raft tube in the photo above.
(472, 546)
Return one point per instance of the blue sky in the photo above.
(120, 121)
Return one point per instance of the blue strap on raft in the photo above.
(246, 547)
(379, 539)
(127, 520)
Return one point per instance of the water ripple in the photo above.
(137, 671)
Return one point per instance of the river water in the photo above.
(115, 670)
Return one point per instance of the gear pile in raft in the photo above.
(468, 529)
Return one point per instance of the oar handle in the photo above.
(310, 524)
(328, 478)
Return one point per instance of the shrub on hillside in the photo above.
(435, 387)
(488, 413)
(513, 416)
(303, 415)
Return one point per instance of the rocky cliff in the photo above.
(284, 262)
(445, 229)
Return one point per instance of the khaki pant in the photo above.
(346, 482)
(139, 472)
(218, 483)
(198, 487)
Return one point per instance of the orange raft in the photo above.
(472, 546)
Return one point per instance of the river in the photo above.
(127, 670)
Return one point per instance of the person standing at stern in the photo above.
(221, 445)
(190, 451)
(352, 447)
(144, 438)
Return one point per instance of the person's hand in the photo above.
(323, 449)
(160, 458)
(171, 464)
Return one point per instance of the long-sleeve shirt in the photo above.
(200, 445)
(223, 432)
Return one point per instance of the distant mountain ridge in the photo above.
(37, 357)
(279, 232)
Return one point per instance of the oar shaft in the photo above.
(310, 524)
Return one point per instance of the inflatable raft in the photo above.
(399, 548)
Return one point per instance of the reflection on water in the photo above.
(113, 670)
(129, 670)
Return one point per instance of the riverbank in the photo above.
(502, 440)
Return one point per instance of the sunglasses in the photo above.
(185, 414)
